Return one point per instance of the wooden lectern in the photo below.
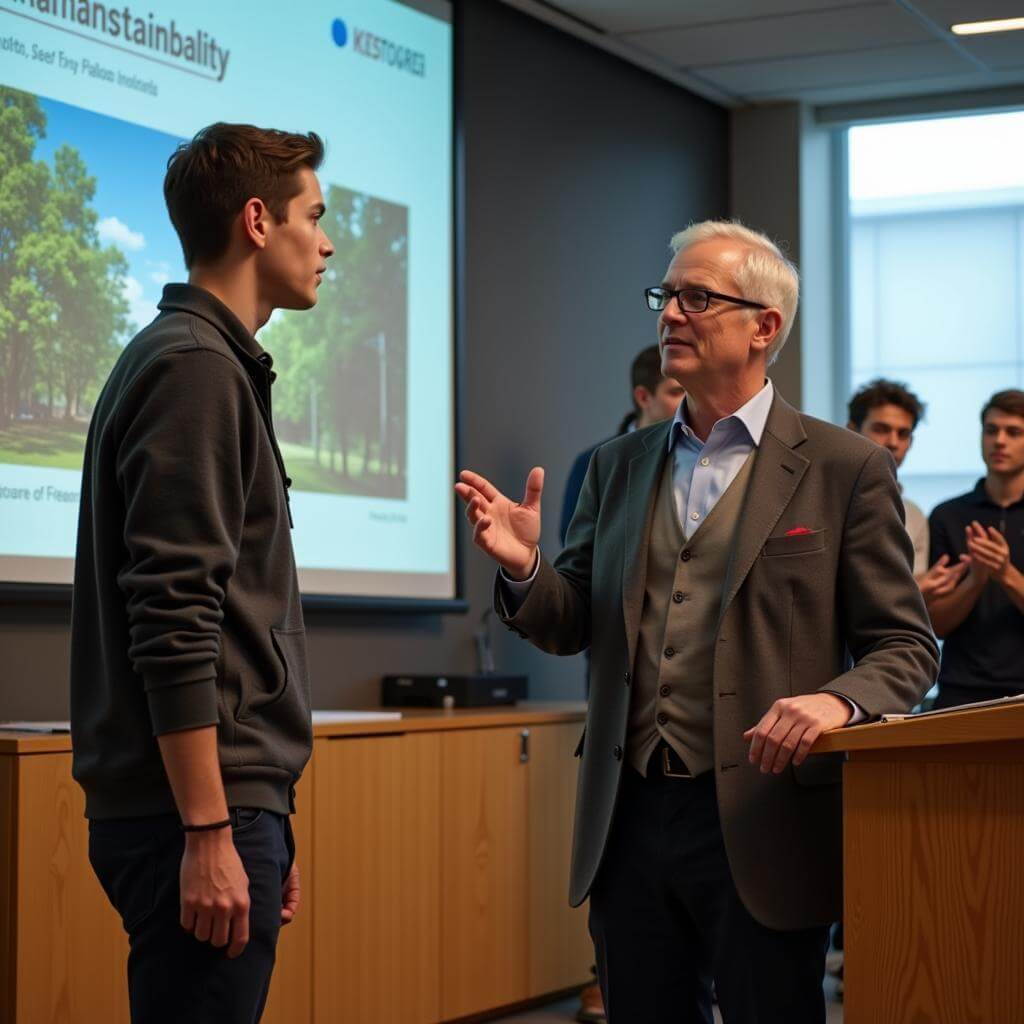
(933, 812)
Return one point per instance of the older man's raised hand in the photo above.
(507, 531)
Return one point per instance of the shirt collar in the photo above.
(191, 299)
(752, 415)
(981, 496)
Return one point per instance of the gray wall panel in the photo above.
(578, 169)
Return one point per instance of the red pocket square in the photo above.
(798, 530)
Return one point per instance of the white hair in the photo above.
(765, 276)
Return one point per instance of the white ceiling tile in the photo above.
(880, 25)
(892, 64)
(1000, 51)
(620, 16)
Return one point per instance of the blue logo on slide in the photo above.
(339, 31)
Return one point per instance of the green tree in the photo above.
(62, 305)
(24, 309)
(331, 361)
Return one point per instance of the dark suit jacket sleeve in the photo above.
(888, 633)
(555, 614)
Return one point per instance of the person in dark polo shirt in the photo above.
(982, 620)
(190, 709)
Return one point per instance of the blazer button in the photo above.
(665, 691)
(662, 718)
(686, 556)
(678, 597)
(670, 652)
(617, 752)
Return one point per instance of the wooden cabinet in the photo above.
(434, 864)
(64, 952)
(560, 950)
(485, 871)
(67, 949)
(377, 857)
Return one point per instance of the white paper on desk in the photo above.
(336, 717)
(1017, 698)
(35, 727)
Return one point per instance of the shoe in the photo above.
(591, 1004)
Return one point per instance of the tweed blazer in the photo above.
(819, 595)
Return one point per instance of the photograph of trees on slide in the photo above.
(340, 396)
(85, 249)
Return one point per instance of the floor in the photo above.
(560, 1013)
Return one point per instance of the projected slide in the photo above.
(93, 100)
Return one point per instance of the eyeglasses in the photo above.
(691, 300)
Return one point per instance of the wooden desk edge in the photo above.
(978, 725)
(412, 720)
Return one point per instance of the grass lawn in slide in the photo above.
(59, 444)
(307, 475)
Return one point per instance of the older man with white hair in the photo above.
(743, 579)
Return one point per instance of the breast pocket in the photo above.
(794, 544)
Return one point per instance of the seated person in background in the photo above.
(655, 398)
(887, 412)
(982, 619)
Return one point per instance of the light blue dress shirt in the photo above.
(703, 471)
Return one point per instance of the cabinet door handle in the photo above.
(524, 746)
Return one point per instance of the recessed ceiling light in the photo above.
(977, 28)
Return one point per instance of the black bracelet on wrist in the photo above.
(212, 827)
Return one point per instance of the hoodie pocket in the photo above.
(291, 682)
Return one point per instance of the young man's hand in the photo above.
(215, 891)
(942, 578)
(290, 893)
(990, 554)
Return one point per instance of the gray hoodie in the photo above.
(186, 608)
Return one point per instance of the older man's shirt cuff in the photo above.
(515, 591)
(859, 714)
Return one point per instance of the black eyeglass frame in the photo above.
(659, 290)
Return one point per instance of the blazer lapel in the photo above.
(777, 473)
(641, 488)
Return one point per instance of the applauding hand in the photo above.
(942, 578)
(989, 552)
(506, 531)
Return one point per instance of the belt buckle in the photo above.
(666, 766)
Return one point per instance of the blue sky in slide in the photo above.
(128, 163)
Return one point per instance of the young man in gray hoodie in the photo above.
(190, 703)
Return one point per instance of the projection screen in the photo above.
(94, 97)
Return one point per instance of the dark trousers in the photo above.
(666, 920)
(172, 977)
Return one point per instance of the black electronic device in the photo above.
(477, 690)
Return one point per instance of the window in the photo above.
(937, 279)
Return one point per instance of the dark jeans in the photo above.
(172, 977)
(666, 920)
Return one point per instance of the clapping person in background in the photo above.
(982, 619)
(888, 412)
